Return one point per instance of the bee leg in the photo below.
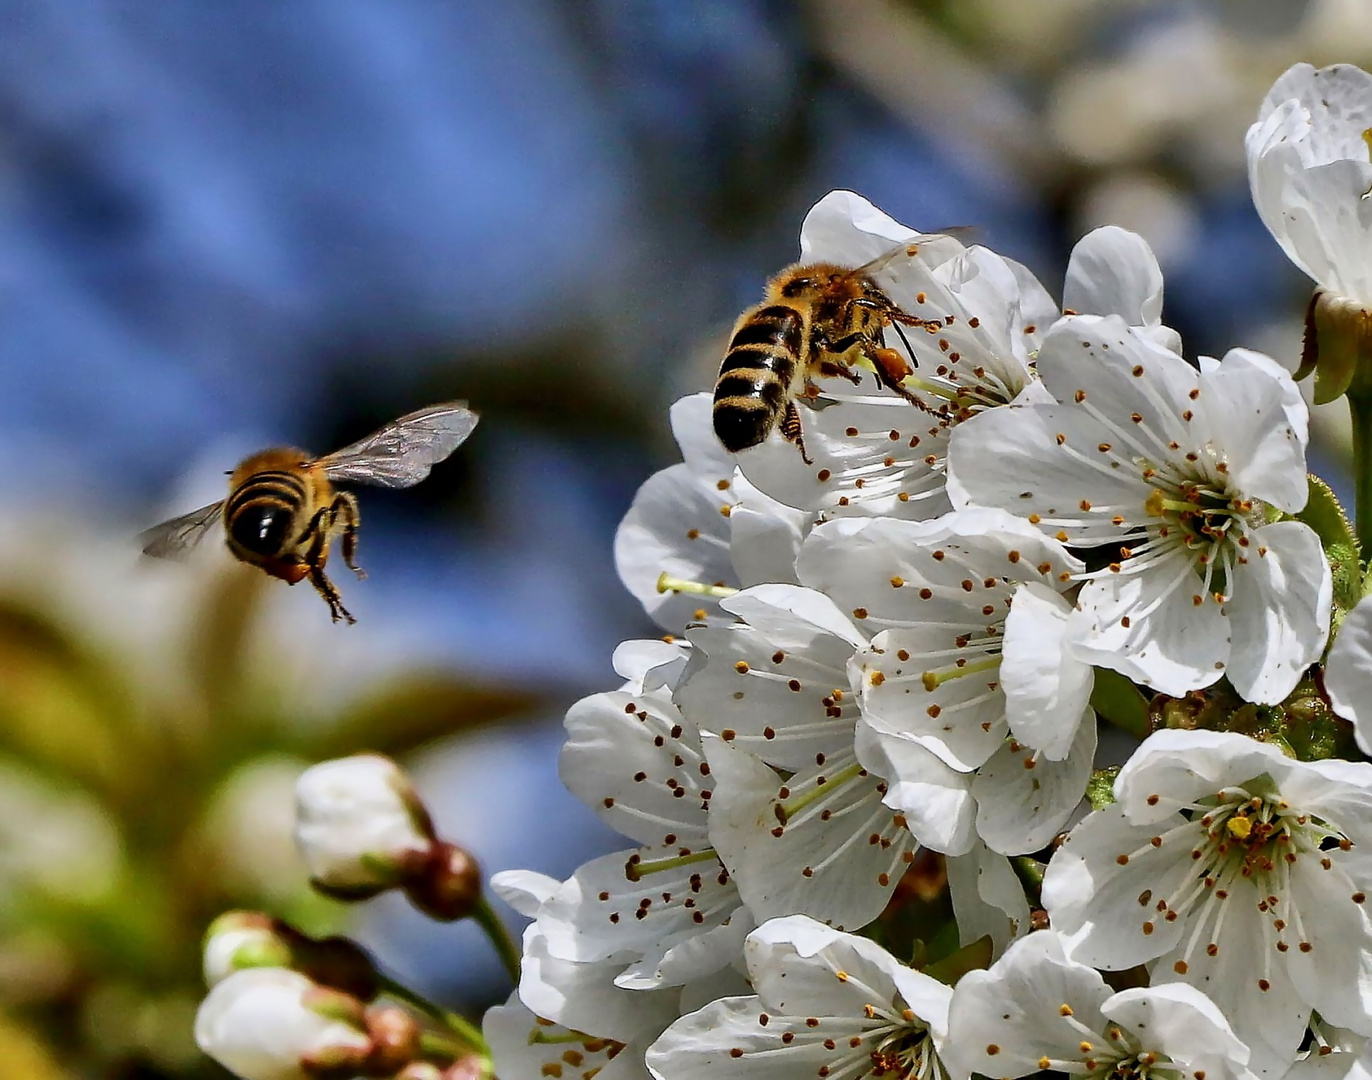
(325, 588)
(344, 508)
(790, 430)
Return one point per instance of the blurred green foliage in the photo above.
(137, 803)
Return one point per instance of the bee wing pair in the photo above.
(400, 455)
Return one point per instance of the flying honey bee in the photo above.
(816, 320)
(282, 510)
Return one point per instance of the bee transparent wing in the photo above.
(944, 240)
(175, 538)
(404, 451)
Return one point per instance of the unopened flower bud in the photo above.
(239, 940)
(395, 1040)
(245, 939)
(275, 1024)
(449, 885)
(470, 1067)
(359, 825)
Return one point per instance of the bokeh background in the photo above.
(229, 226)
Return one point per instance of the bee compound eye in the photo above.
(261, 528)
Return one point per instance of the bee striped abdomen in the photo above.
(261, 511)
(755, 377)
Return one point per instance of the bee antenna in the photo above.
(913, 360)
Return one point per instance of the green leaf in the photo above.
(969, 958)
(1327, 517)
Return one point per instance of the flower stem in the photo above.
(459, 1025)
(1360, 410)
(505, 946)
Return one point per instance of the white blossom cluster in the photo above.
(895, 649)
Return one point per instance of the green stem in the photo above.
(1360, 410)
(459, 1025)
(505, 945)
(436, 1046)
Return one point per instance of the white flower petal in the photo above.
(1113, 271)
(881, 566)
(764, 535)
(873, 453)
(1279, 614)
(1308, 169)
(524, 890)
(1099, 356)
(1008, 458)
(935, 799)
(837, 856)
(585, 998)
(771, 679)
(1148, 627)
(1271, 1021)
(1246, 411)
(599, 913)
(522, 1046)
(1172, 769)
(961, 719)
(1017, 1007)
(1023, 799)
(1293, 404)
(1335, 975)
(675, 527)
(1348, 673)
(1184, 1024)
(988, 899)
(627, 756)
(1104, 907)
(1046, 687)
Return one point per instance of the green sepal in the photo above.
(1335, 339)
(1327, 517)
(1119, 701)
(954, 966)
(1100, 789)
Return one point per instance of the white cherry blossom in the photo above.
(770, 692)
(1310, 175)
(1036, 1010)
(1176, 470)
(1348, 673)
(967, 650)
(668, 909)
(1233, 868)
(825, 1003)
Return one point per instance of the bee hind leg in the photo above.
(326, 588)
(344, 509)
(791, 431)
